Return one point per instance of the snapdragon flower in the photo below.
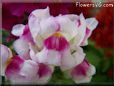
(48, 41)
(21, 71)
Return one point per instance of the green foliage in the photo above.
(5, 35)
(59, 78)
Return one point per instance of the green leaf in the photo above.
(59, 78)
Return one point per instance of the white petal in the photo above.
(49, 57)
(91, 71)
(34, 20)
(67, 27)
(22, 48)
(33, 51)
(91, 23)
(68, 61)
(78, 55)
(5, 55)
(32, 55)
(18, 29)
(34, 26)
(39, 41)
(41, 13)
(29, 69)
(48, 26)
(81, 31)
(82, 79)
(72, 17)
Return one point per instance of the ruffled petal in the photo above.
(45, 73)
(91, 25)
(78, 54)
(49, 57)
(33, 51)
(34, 20)
(41, 13)
(72, 58)
(5, 57)
(53, 46)
(22, 48)
(88, 33)
(18, 29)
(34, 26)
(15, 72)
(67, 27)
(67, 61)
(72, 17)
(48, 27)
(29, 69)
(83, 72)
(82, 79)
(13, 69)
(27, 35)
(81, 31)
(91, 71)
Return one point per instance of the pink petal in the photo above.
(27, 35)
(56, 43)
(83, 72)
(87, 35)
(14, 67)
(81, 69)
(45, 73)
(44, 70)
(47, 27)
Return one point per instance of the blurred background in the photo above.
(99, 50)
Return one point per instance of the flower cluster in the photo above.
(46, 42)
